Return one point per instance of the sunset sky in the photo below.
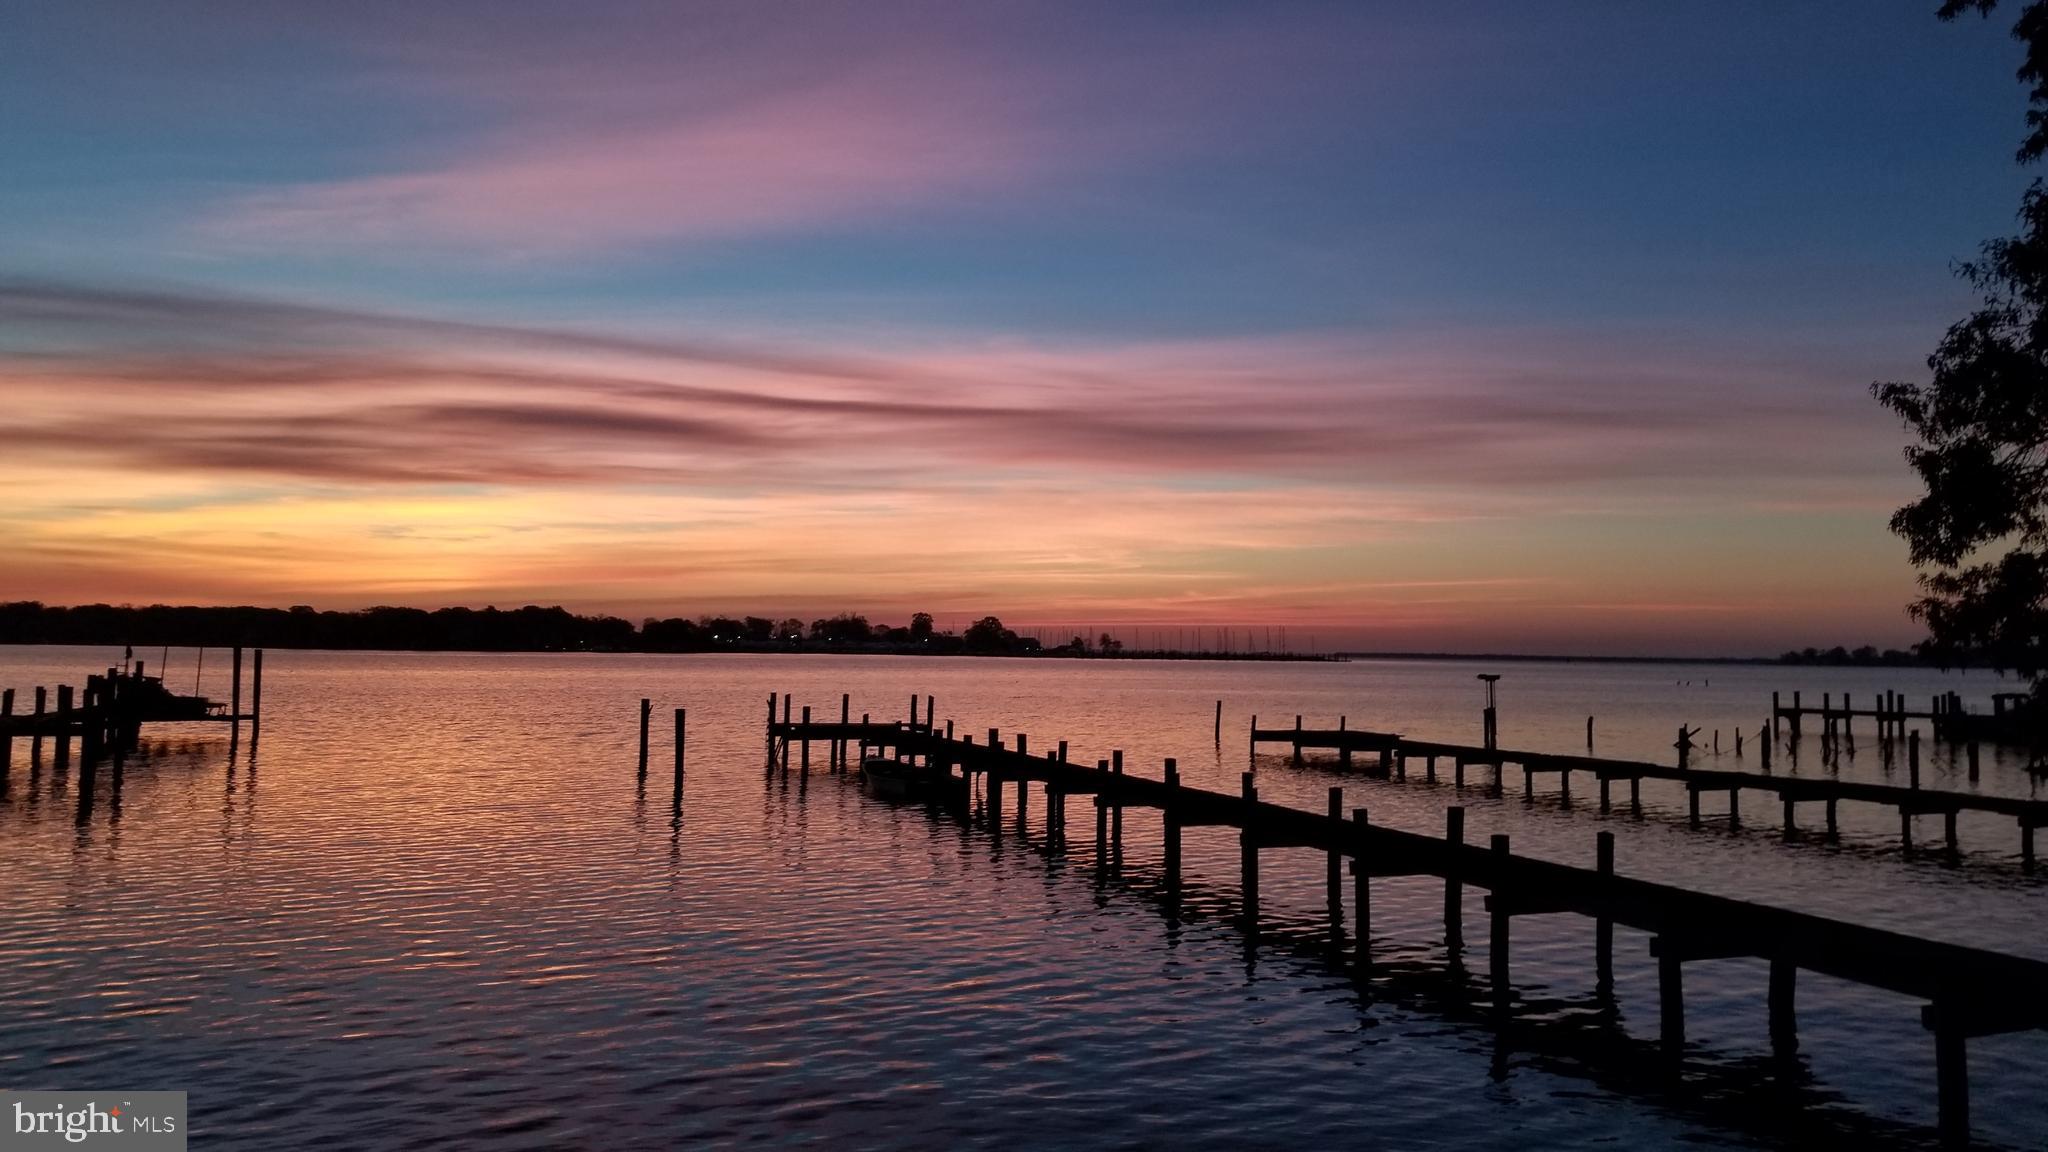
(1477, 326)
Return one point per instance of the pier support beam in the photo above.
(1454, 884)
(1671, 1003)
(1603, 928)
(1248, 857)
(1784, 1020)
(1361, 888)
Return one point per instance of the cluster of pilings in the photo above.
(105, 717)
(1969, 991)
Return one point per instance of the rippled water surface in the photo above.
(434, 907)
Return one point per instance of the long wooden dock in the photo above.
(1967, 991)
(1394, 751)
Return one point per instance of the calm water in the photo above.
(432, 908)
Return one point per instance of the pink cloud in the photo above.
(826, 154)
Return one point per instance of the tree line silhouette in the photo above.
(528, 629)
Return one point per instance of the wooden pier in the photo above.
(1968, 992)
(106, 716)
(1393, 753)
(1947, 719)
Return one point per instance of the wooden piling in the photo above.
(1333, 863)
(1454, 884)
(646, 711)
(806, 754)
(1497, 946)
(64, 702)
(1169, 819)
(1952, 1085)
(1603, 927)
(1116, 810)
(255, 698)
(235, 701)
(1219, 722)
(1913, 759)
(1784, 1020)
(1671, 999)
(1361, 888)
(1248, 855)
(35, 740)
(681, 739)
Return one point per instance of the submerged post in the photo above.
(1219, 722)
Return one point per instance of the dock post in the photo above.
(1252, 739)
(1692, 793)
(1219, 722)
(993, 781)
(785, 707)
(1170, 820)
(7, 739)
(234, 699)
(1790, 821)
(1635, 795)
(1952, 1084)
(1973, 758)
(256, 699)
(1603, 927)
(2026, 846)
(1949, 831)
(1361, 886)
(1248, 852)
(63, 727)
(680, 738)
(1738, 740)
(1116, 811)
(1906, 829)
(35, 740)
(1458, 779)
(1101, 821)
(1913, 759)
(1454, 883)
(913, 711)
(806, 754)
(1604, 803)
(845, 714)
(1671, 999)
(1834, 830)
(1333, 863)
(1497, 946)
(646, 711)
(1763, 746)
(931, 713)
(1775, 710)
(1784, 1020)
(1297, 738)
(1735, 808)
(1589, 735)
(1797, 713)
